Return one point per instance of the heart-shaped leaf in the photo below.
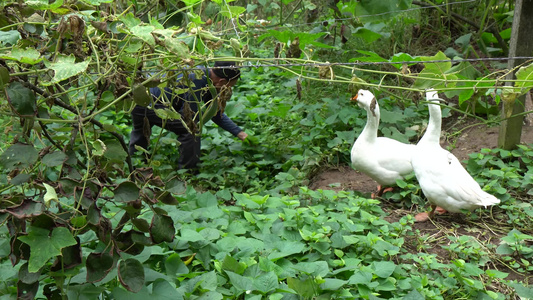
(22, 99)
(131, 274)
(126, 192)
(162, 229)
(98, 266)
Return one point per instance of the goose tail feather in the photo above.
(488, 200)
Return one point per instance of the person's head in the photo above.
(222, 74)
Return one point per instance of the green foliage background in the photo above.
(81, 219)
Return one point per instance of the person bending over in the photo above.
(222, 77)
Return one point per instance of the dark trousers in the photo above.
(189, 154)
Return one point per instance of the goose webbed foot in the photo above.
(423, 217)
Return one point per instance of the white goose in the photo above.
(442, 178)
(383, 159)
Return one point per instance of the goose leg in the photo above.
(381, 190)
(439, 210)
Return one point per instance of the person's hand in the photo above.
(242, 135)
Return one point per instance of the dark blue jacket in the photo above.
(200, 88)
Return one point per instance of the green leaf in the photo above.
(98, 147)
(26, 276)
(522, 290)
(266, 282)
(435, 73)
(496, 274)
(44, 247)
(231, 11)
(333, 284)
(231, 264)
(176, 186)
(43, 4)
(65, 67)
(144, 32)
(20, 179)
(174, 265)
(286, 248)
(114, 151)
(162, 289)
(140, 95)
(384, 269)
(96, 2)
(18, 156)
(10, 37)
(131, 274)
(524, 73)
(305, 288)
(191, 2)
(360, 277)
(190, 235)
(162, 229)
(414, 295)
(54, 159)
(84, 291)
(316, 268)
(366, 34)
(127, 191)
(22, 99)
(26, 56)
(4, 77)
(98, 266)
(240, 282)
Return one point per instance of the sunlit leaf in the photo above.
(144, 32)
(65, 67)
(232, 11)
(43, 4)
(49, 195)
(26, 56)
(96, 2)
(98, 147)
(435, 73)
(524, 73)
